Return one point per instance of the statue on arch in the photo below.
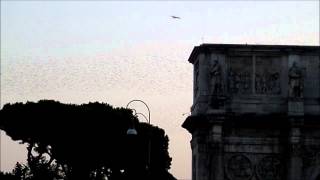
(216, 78)
(295, 81)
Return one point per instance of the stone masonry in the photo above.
(255, 112)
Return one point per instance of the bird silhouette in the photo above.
(175, 17)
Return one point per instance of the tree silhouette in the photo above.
(8, 176)
(87, 141)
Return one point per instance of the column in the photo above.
(295, 115)
(216, 151)
(295, 162)
(200, 156)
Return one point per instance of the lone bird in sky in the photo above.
(175, 17)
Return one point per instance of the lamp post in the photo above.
(138, 100)
(132, 131)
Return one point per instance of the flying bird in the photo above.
(175, 17)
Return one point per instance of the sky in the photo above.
(113, 52)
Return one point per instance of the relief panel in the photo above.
(239, 167)
(268, 75)
(269, 168)
(311, 66)
(240, 74)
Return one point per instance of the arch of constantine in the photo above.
(255, 112)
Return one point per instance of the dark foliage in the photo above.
(87, 141)
(8, 176)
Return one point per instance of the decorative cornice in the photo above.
(270, 121)
(284, 49)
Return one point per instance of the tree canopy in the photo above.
(87, 141)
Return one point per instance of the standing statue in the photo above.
(196, 84)
(216, 78)
(295, 81)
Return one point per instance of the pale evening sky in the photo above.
(107, 51)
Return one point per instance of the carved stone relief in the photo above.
(240, 75)
(311, 155)
(267, 83)
(269, 168)
(267, 76)
(239, 82)
(239, 167)
(310, 68)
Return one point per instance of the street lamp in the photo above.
(137, 100)
(133, 131)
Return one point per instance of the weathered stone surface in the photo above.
(255, 112)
